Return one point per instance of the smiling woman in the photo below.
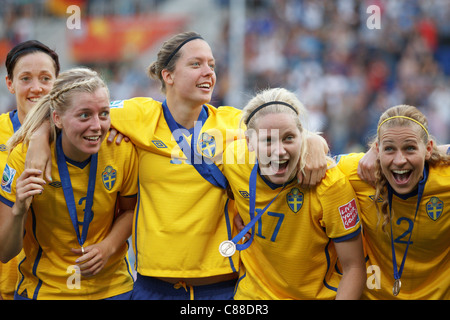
(413, 179)
(57, 241)
(290, 224)
(405, 217)
(32, 67)
(405, 151)
(86, 124)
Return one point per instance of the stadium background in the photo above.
(344, 72)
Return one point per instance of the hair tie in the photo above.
(179, 47)
(268, 104)
(403, 117)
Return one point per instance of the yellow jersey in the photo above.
(180, 218)
(9, 123)
(292, 255)
(49, 270)
(428, 257)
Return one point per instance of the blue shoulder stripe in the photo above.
(348, 236)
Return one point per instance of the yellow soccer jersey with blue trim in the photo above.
(48, 270)
(292, 255)
(9, 123)
(180, 220)
(425, 274)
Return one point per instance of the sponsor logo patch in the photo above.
(349, 214)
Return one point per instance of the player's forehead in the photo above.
(197, 49)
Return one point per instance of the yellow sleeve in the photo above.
(13, 169)
(340, 207)
(348, 163)
(137, 119)
(130, 185)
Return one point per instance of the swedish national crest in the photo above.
(434, 207)
(295, 200)
(109, 177)
(207, 144)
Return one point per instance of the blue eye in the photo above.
(104, 114)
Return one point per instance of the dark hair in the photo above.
(25, 48)
(169, 54)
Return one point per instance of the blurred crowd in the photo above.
(344, 72)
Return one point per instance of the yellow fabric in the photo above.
(48, 269)
(292, 255)
(181, 217)
(425, 274)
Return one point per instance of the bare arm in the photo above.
(39, 155)
(351, 256)
(316, 161)
(12, 219)
(366, 166)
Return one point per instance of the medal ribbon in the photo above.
(205, 167)
(421, 187)
(14, 117)
(251, 224)
(68, 191)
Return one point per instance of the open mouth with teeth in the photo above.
(280, 166)
(33, 99)
(204, 86)
(401, 176)
(92, 139)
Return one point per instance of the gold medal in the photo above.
(397, 287)
(82, 250)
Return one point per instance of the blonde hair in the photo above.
(58, 99)
(168, 55)
(274, 95)
(403, 116)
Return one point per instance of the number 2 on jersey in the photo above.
(403, 238)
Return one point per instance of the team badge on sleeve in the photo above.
(8, 178)
(349, 214)
(109, 177)
(116, 104)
